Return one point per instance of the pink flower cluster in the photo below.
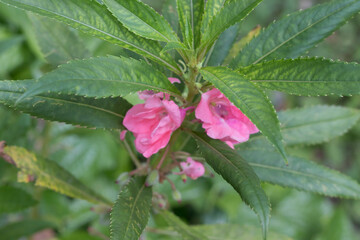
(153, 122)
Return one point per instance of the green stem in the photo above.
(132, 154)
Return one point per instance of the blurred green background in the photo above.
(97, 157)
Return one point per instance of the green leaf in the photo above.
(77, 110)
(212, 7)
(234, 11)
(57, 42)
(170, 14)
(102, 77)
(236, 171)
(190, 14)
(131, 211)
(299, 173)
(186, 232)
(11, 55)
(142, 20)
(316, 124)
(93, 18)
(50, 175)
(14, 199)
(18, 230)
(296, 33)
(306, 76)
(251, 100)
(174, 45)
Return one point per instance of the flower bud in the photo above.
(122, 179)
(152, 178)
(176, 195)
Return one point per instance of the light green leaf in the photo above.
(306, 76)
(316, 124)
(77, 110)
(57, 42)
(18, 230)
(212, 7)
(10, 54)
(14, 199)
(131, 211)
(296, 33)
(142, 20)
(299, 173)
(186, 232)
(102, 77)
(173, 45)
(93, 18)
(251, 100)
(50, 175)
(236, 171)
(234, 11)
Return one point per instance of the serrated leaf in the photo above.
(102, 77)
(299, 173)
(77, 110)
(212, 7)
(50, 175)
(232, 12)
(18, 230)
(57, 42)
(93, 18)
(236, 171)
(296, 33)
(142, 20)
(14, 199)
(306, 76)
(316, 124)
(190, 14)
(131, 211)
(186, 232)
(173, 45)
(251, 100)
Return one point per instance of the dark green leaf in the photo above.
(296, 33)
(103, 77)
(131, 211)
(17, 230)
(249, 99)
(142, 20)
(14, 199)
(93, 18)
(76, 110)
(306, 76)
(236, 171)
(212, 7)
(10, 54)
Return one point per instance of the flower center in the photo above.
(220, 110)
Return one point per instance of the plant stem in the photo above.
(132, 154)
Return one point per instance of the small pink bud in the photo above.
(174, 80)
(192, 169)
(123, 135)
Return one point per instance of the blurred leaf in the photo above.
(76, 110)
(306, 76)
(10, 54)
(131, 211)
(142, 20)
(102, 77)
(14, 199)
(299, 173)
(251, 100)
(80, 236)
(170, 14)
(17, 230)
(94, 19)
(298, 32)
(50, 175)
(236, 171)
(57, 42)
(179, 226)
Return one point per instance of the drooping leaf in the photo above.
(57, 42)
(296, 33)
(212, 7)
(236, 171)
(48, 174)
(93, 18)
(14, 199)
(142, 20)
(77, 110)
(299, 173)
(306, 76)
(24, 228)
(186, 232)
(190, 14)
(251, 100)
(131, 211)
(232, 12)
(102, 77)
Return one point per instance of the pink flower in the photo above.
(222, 120)
(192, 169)
(174, 80)
(152, 124)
